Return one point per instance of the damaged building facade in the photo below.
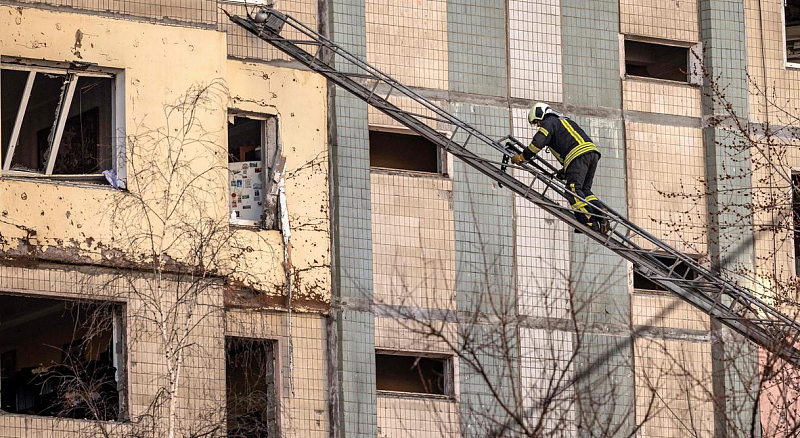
(199, 237)
(164, 201)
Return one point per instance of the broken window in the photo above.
(251, 394)
(414, 374)
(61, 358)
(642, 283)
(791, 15)
(392, 150)
(57, 122)
(659, 61)
(253, 166)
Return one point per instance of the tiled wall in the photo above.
(203, 374)
(590, 50)
(418, 417)
(413, 240)
(542, 246)
(660, 97)
(669, 312)
(408, 40)
(547, 372)
(302, 371)
(729, 237)
(355, 364)
(673, 388)
(765, 59)
(484, 266)
(669, 20)
(241, 44)
(378, 118)
(664, 163)
(477, 58)
(534, 39)
(202, 12)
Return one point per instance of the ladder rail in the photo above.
(773, 335)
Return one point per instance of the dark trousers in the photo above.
(580, 175)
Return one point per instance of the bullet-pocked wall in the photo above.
(76, 226)
(201, 12)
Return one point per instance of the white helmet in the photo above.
(538, 112)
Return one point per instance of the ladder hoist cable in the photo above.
(720, 298)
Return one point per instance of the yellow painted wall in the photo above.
(161, 65)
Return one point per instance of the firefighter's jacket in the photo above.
(564, 137)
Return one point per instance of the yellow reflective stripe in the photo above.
(578, 151)
(558, 157)
(579, 206)
(532, 147)
(591, 198)
(572, 131)
(544, 131)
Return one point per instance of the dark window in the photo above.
(413, 374)
(60, 358)
(251, 393)
(796, 221)
(56, 123)
(402, 151)
(252, 154)
(791, 12)
(656, 61)
(682, 270)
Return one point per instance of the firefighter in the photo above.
(576, 152)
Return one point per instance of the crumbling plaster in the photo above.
(73, 223)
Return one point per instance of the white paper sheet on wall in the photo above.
(247, 192)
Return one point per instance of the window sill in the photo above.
(82, 421)
(791, 65)
(654, 292)
(658, 81)
(245, 225)
(415, 395)
(411, 173)
(83, 181)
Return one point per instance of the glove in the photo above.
(518, 159)
(560, 174)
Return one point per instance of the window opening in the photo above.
(392, 150)
(252, 405)
(56, 122)
(60, 358)
(252, 157)
(659, 61)
(413, 374)
(642, 283)
(791, 15)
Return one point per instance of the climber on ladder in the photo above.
(576, 152)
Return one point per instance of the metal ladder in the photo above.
(729, 303)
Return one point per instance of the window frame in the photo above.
(444, 159)
(119, 348)
(786, 63)
(277, 364)
(450, 377)
(270, 155)
(117, 117)
(664, 258)
(694, 77)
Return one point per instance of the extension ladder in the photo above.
(729, 303)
